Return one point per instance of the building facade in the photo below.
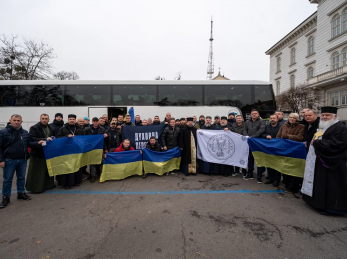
(315, 54)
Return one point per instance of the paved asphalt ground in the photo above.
(169, 217)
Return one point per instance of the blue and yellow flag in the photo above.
(68, 155)
(161, 162)
(120, 165)
(283, 155)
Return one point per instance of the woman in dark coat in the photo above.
(292, 130)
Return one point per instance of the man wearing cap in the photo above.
(114, 136)
(38, 179)
(97, 129)
(57, 123)
(231, 117)
(329, 190)
(216, 121)
(86, 122)
(70, 129)
(201, 121)
(183, 123)
(207, 167)
(188, 145)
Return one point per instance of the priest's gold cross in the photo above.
(318, 134)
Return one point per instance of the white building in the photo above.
(315, 54)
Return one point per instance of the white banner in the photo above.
(222, 147)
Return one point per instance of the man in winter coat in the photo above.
(38, 179)
(167, 119)
(153, 145)
(14, 143)
(138, 121)
(70, 130)
(271, 131)
(225, 125)
(238, 128)
(280, 116)
(114, 137)
(254, 128)
(311, 126)
(170, 136)
(57, 123)
(231, 118)
(97, 129)
(201, 121)
(156, 120)
(124, 146)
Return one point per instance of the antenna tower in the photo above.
(210, 66)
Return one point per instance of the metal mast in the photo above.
(210, 66)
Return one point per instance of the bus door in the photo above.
(115, 111)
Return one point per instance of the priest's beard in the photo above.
(207, 125)
(326, 124)
(223, 125)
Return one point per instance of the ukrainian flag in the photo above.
(283, 155)
(68, 155)
(120, 165)
(161, 162)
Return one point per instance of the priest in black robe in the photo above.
(70, 130)
(188, 145)
(329, 193)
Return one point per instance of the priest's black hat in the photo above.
(71, 116)
(329, 109)
(190, 119)
(224, 118)
(58, 114)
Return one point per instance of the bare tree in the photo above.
(159, 78)
(178, 76)
(64, 75)
(298, 98)
(30, 60)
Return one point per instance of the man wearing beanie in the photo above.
(57, 123)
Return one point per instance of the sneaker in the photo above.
(250, 176)
(23, 196)
(269, 182)
(259, 180)
(144, 175)
(235, 174)
(247, 178)
(275, 184)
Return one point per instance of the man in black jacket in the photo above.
(38, 179)
(70, 130)
(153, 145)
(138, 121)
(114, 137)
(311, 126)
(14, 143)
(170, 136)
(97, 129)
(57, 123)
(201, 121)
(231, 118)
(271, 131)
(238, 128)
(156, 120)
(103, 124)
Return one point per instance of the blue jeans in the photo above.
(11, 166)
(260, 170)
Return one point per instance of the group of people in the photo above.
(15, 141)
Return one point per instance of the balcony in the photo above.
(332, 76)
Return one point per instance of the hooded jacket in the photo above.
(56, 125)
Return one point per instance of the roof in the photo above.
(133, 82)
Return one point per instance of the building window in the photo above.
(278, 64)
(292, 56)
(336, 25)
(334, 97)
(292, 81)
(278, 88)
(344, 97)
(309, 72)
(344, 20)
(335, 60)
(311, 46)
(344, 57)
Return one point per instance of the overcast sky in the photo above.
(140, 39)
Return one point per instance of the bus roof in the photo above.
(133, 82)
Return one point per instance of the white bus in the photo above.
(93, 98)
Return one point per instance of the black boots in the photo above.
(23, 196)
(5, 201)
